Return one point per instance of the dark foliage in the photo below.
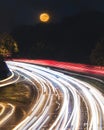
(97, 55)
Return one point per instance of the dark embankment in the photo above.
(4, 70)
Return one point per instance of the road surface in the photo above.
(64, 101)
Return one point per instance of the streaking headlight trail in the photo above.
(63, 102)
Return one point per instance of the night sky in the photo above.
(26, 12)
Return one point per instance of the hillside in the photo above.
(72, 39)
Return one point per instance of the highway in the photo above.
(64, 101)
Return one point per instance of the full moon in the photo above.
(44, 17)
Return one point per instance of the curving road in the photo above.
(61, 100)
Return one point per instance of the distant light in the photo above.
(44, 17)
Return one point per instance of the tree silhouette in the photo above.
(97, 54)
(8, 45)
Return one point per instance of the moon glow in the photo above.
(44, 17)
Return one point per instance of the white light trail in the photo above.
(68, 89)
